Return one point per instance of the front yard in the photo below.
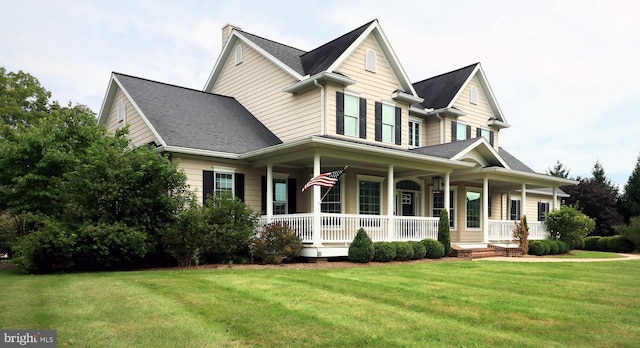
(458, 303)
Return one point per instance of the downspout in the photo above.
(322, 121)
(441, 127)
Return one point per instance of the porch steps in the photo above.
(490, 250)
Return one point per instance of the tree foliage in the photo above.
(630, 200)
(569, 225)
(444, 232)
(601, 179)
(521, 234)
(596, 201)
(22, 99)
(559, 170)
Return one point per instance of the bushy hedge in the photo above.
(434, 249)
(276, 243)
(383, 252)
(536, 247)
(404, 251)
(591, 243)
(419, 250)
(619, 244)
(602, 243)
(564, 247)
(554, 249)
(361, 249)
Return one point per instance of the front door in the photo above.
(408, 203)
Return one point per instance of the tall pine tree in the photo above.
(630, 200)
(559, 171)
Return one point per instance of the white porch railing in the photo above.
(342, 228)
(501, 230)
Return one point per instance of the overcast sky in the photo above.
(565, 73)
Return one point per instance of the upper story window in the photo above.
(238, 54)
(370, 61)
(460, 131)
(415, 127)
(351, 115)
(473, 95)
(122, 110)
(388, 123)
(485, 133)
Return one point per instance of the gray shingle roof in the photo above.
(438, 91)
(286, 54)
(513, 162)
(447, 150)
(194, 119)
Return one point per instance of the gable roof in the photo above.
(288, 55)
(439, 91)
(477, 149)
(513, 162)
(189, 118)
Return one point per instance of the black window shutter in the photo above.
(292, 191)
(239, 186)
(540, 211)
(207, 185)
(491, 138)
(378, 121)
(339, 112)
(363, 118)
(478, 132)
(468, 132)
(263, 189)
(454, 131)
(398, 126)
(489, 207)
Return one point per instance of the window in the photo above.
(370, 61)
(460, 131)
(223, 183)
(414, 132)
(543, 209)
(121, 110)
(485, 133)
(514, 210)
(332, 202)
(369, 196)
(438, 205)
(238, 54)
(388, 122)
(473, 95)
(473, 209)
(351, 115)
(280, 196)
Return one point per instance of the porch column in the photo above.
(315, 205)
(447, 196)
(523, 200)
(555, 199)
(485, 210)
(390, 202)
(269, 192)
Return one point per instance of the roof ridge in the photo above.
(446, 73)
(340, 37)
(171, 85)
(276, 42)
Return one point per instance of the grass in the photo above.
(585, 254)
(451, 304)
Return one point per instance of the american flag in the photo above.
(325, 180)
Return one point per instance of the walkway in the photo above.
(529, 258)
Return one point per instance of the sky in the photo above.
(564, 73)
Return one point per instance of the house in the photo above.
(270, 117)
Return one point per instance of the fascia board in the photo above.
(108, 99)
(481, 142)
(464, 85)
(197, 152)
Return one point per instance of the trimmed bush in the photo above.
(602, 243)
(383, 252)
(361, 249)
(419, 250)
(571, 224)
(546, 247)
(277, 242)
(619, 244)
(591, 243)
(434, 249)
(564, 247)
(444, 231)
(554, 249)
(536, 248)
(404, 251)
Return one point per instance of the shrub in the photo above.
(232, 225)
(404, 251)
(546, 247)
(361, 249)
(383, 252)
(591, 243)
(602, 244)
(188, 238)
(563, 246)
(8, 233)
(554, 249)
(419, 250)
(276, 243)
(434, 249)
(444, 232)
(521, 234)
(536, 248)
(570, 225)
(631, 231)
(619, 244)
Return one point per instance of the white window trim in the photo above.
(455, 196)
(371, 178)
(418, 121)
(473, 95)
(342, 193)
(225, 170)
(393, 123)
(285, 177)
(509, 208)
(121, 111)
(464, 125)
(238, 54)
(477, 190)
(357, 96)
(548, 203)
(370, 61)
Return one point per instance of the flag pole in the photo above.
(326, 193)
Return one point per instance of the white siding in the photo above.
(477, 114)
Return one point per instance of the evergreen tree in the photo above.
(559, 171)
(601, 179)
(630, 200)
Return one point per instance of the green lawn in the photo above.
(449, 304)
(586, 254)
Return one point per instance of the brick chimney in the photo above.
(226, 32)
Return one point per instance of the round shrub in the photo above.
(591, 243)
(277, 242)
(619, 244)
(563, 246)
(434, 249)
(419, 250)
(546, 247)
(404, 251)
(536, 248)
(603, 243)
(361, 249)
(383, 252)
(554, 249)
